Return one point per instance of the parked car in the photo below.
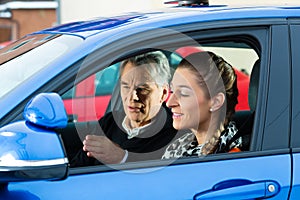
(41, 71)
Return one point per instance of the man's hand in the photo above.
(104, 150)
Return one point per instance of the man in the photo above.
(146, 128)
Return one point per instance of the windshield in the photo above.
(26, 57)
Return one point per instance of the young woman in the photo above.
(203, 99)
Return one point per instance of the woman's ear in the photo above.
(217, 101)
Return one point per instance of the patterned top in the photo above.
(187, 145)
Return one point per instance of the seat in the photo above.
(244, 119)
(253, 87)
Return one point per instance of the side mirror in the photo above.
(31, 149)
(46, 110)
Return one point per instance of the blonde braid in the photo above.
(211, 145)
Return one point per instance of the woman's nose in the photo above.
(172, 101)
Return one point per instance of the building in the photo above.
(18, 18)
(82, 10)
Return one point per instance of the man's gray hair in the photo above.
(156, 63)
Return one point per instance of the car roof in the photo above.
(172, 16)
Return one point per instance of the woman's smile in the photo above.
(177, 115)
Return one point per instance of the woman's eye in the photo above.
(184, 93)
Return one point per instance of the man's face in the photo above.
(141, 96)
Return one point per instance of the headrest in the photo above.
(253, 85)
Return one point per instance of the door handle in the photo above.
(240, 189)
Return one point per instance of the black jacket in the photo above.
(147, 146)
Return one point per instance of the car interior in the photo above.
(75, 131)
(245, 119)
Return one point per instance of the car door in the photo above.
(263, 171)
(295, 40)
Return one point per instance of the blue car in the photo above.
(42, 71)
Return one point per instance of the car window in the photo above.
(99, 86)
(90, 99)
(106, 79)
(25, 58)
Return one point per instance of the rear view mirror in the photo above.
(31, 149)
